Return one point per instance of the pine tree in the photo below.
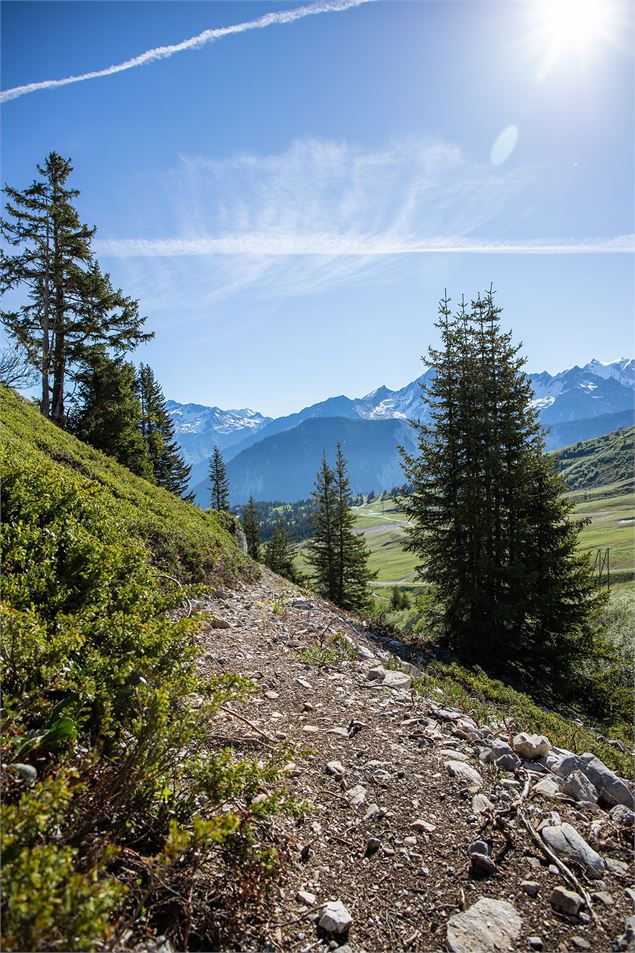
(321, 549)
(280, 552)
(108, 414)
(490, 522)
(72, 307)
(338, 555)
(351, 551)
(251, 526)
(157, 428)
(219, 481)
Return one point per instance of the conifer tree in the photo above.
(490, 521)
(108, 414)
(321, 548)
(170, 470)
(72, 307)
(251, 527)
(280, 551)
(219, 481)
(338, 555)
(351, 550)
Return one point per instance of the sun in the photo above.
(575, 23)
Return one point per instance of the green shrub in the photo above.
(116, 800)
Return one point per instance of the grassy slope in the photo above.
(183, 540)
(100, 753)
(599, 472)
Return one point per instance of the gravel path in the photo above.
(389, 826)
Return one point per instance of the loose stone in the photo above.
(566, 901)
(335, 918)
(487, 926)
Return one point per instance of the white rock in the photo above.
(356, 796)
(421, 826)
(531, 746)
(488, 926)
(565, 841)
(335, 917)
(465, 772)
(548, 787)
(480, 804)
(376, 674)
(336, 768)
(303, 896)
(365, 653)
(394, 679)
(578, 786)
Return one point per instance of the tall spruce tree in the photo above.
(351, 551)
(338, 555)
(489, 518)
(321, 548)
(251, 526)
(219, 481)
(72, 306)
(280, 552)
(157, 428)
(108, 414)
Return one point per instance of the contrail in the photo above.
(194, 43)
(330, 245)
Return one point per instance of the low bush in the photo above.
(121, 818)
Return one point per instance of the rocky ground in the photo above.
(425, 830)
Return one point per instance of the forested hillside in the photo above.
(115, 795)
(603, 460)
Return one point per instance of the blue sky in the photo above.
(289, 202)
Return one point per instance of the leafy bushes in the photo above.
(119, 812)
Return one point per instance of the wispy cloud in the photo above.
(193, 43)
(322, 215)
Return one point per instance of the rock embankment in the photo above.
(425, 830)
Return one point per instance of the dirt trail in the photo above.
(399, 883)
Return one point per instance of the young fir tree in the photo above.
(71, 305)
(351, 551)
(339, 557)
(490, 521)
(108, 415)
(157, 428)
(280, 551)
(321, 548)
(251, 527)
(219, 482)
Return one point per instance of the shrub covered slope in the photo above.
(116, 803)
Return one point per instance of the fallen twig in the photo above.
(259, 731)
(570, 876)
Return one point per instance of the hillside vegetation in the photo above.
(597, 462)
(118, 809)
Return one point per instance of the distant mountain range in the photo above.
(278, 458)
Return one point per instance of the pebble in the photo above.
(465, 772)
(335, 918)
(482, 865)
(372, 846)
(336, 769)
(356, 796)
(566, 901)
(421, 826)
(487, 926)
(530, 887)
(535, 942)
(395, 679)
(303, 896)
(478, 847)
(480, 804)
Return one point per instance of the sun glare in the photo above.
(575, 23)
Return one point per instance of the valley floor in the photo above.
(359, 843)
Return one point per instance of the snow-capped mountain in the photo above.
(575, 404)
